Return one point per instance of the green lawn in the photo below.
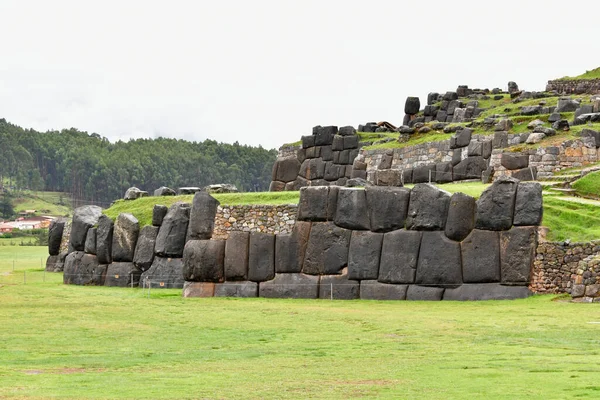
(589, 185)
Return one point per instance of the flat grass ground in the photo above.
(79, 342)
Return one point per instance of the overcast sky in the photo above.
(265, 72)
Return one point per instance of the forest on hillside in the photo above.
(94, 170)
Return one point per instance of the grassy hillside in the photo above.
(46, 203)
(593, 74)
(589, 185)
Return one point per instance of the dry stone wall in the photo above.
(254, 218)
(584, 86)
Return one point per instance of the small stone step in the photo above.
(562, 190)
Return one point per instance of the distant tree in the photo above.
(6, 208)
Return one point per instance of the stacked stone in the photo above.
(56, 258)
(582, 86)
(451, 109)
(254, 218)
(325, 158)
(586, 280)
(382, 243)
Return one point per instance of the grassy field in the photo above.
(589, 185)
(593, 74)
(46, 203)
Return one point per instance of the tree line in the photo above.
(94, 170)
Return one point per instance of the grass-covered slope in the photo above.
(45, 203)
(593, 74)
(589, 185)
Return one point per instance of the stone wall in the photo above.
(558, 266)
(254, 218)
(584, 86)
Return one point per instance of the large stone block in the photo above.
(422, 174)
(443, 172)
(332, 198)
(287, 169)
(54, 264)
(481, 257)
(517, 252)
(364, 255)
(164, 191)
(525, 174)
(486, 291)
(158, 214)
(439, 261)
(202, 216)
(469, 168)
(514, 161)
(125, 236)
(374, 290)
(236, 289)
(424, 293)
(313, 168)
(461, 216)
(290, 286)
(313, 203)
(83, 269)
(164, 273)
(412, 105)
(529, 206)
(327, 249)
(461, 139)
(144, 249)
(338, 287)
(204, 260)
(261, 257)
(83, 219)
(387, 207)
(172, 233)
(389, 177)
(351, 209)
(104, 237)
(495, 207)
(399, 256)
(90, 241)
(198, 289)
(122, 274)
(236, 256)
(55, 234)
(428, 208)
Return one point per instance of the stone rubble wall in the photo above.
(254, 218)
(584, 86)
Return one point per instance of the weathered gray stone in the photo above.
(374, 290)
(439, 261)
(424, 293)
(172, 233)
(83, 269)
(351, 142)
(566, 104)
(313, 203)
(351, 207)
(164, 273)
(158, 214)
(428, 208)
(347, 131)
(486, 291)
(202, 216)
(338, 287)
(125, 235)
(83, 219)
(514, 161)
(332, 198)
(290, 286)
(475, 149)
(470, 168)
(287, 169)
(327, 249)
(90, 241)
(55, 264)
(134, 193)
(399, 256)
(204, 260)
(461, 139)
(188, 190)
(412, 105)
(277, 186)
(423, 173)
(481, 257)
(517, 251)
(443, 172)
(104, 235)
(164, 191)
(144, 249)
(236, 289)
(389, 177)
(387, 207)
(363, 258)
(122, 274)
(528, 204)
(198, 289)
(55, 234)
(461, 216)
(500, 140)
(261, 257)
(236, 256)
(495, 207)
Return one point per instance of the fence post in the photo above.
(331, 289)
(131, 276)
(430, 176)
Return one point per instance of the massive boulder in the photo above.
(125, 235)
(220, 188)
(286, 169)
(428, 208)
(236, 289)
(528, 204)
(198, 289)
(90, 241)
(387, 207)
(424, 293)
(327, 249)
(55, 234)
(470, 168)
(172, 233)
(514, 161)
(158, 214)
(461, 216)
(338, 287)
(496, 205)
(351, 206)
(486, 291)
(144, 249)
(439, 261)
(83, 269)
(204, 260)
(313, 203)
(290, 286)
(134, 193)
(566, 104)
(164, 273)
(261, 257)
(363, 258)
(412, 105)
(164, 191)
(517, 252)
(481, 257)
(122, 274)
(104, 236)
(56, 263)
(374, 290)
(236, 256)
(83, 219)
(202, 216)
(399, 255)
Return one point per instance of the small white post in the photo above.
(430, 176)
(331, 288)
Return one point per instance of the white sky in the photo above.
(264, 72)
